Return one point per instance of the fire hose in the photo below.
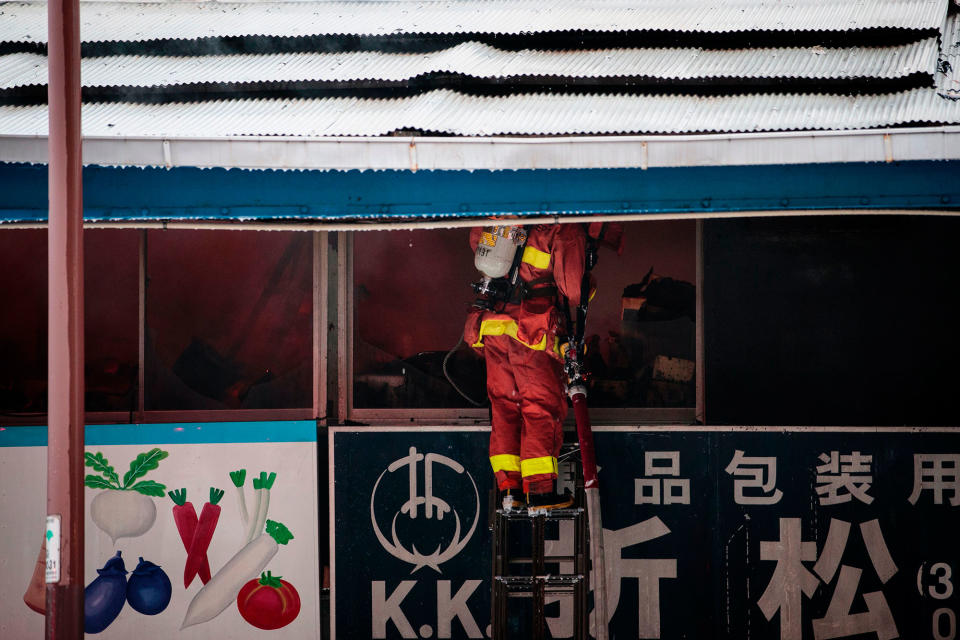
(577, 390)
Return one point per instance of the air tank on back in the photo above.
(495, 251)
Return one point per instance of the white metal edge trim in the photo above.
(416, 153)
(664, 427)
(326, 224)
(401, 427)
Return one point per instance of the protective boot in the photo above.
(552, 500)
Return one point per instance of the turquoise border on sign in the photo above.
(173, 433)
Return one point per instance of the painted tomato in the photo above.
(268, 603)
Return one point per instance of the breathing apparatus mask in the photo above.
(497, 259)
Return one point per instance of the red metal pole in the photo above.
(65, 324)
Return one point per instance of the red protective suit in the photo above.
(524, 367)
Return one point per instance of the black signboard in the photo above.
(732, 534)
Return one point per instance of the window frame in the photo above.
(320, 279)
(348, 412)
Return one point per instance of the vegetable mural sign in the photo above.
(238, 565)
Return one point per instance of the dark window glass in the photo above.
(23, 321)
(831, 320)
(110, 320)
(229, 320)
(641, 338)
(412, 294)
(112, 293)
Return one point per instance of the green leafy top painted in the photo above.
(141, 465)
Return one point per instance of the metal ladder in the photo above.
(522, 575)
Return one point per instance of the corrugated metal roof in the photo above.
(465, 115)
(483, 61)
(948, 78)
(123, 21)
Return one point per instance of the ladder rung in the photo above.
(549, 514)
(546, 559)
(528, 583)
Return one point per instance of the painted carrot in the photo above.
(202, 535)
(185, 517)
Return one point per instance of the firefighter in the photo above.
(517, 325)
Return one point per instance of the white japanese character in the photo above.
(791, 580)
(651, 468)
(938, 473)
(648, 490)
(790, 577)
(749, 472)
(838, 621)
(842, 477)
(648, 573)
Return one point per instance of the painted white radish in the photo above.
(258, 516)
(124, 509)
(266, 485)
(123, 514)
(238, 477)
(222, 590)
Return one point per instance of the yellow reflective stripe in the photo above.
(505, 462)
(536, 258)
(499, 327)
(538, 466)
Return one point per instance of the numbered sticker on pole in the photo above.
(53, 549)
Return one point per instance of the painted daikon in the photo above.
(222, 590)
(258, 517)
(124, 509)
(238, 477)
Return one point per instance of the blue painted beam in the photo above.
(221, 194)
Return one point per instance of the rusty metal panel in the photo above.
(948, 76)
(118, 21)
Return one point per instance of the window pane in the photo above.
(412, 295)
(229, 320)
(641, 344)
(110, 320)
(831, 320)
(23, 323)
(111, 292)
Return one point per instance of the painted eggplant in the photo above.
(148, 590)
(104, 597)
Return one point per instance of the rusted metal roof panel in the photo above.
(453, 113)
(125, 21)
(948, 76)
(482, 61)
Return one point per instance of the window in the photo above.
(23, 323)
(110, 321)
(229, 320)
(411, 295)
